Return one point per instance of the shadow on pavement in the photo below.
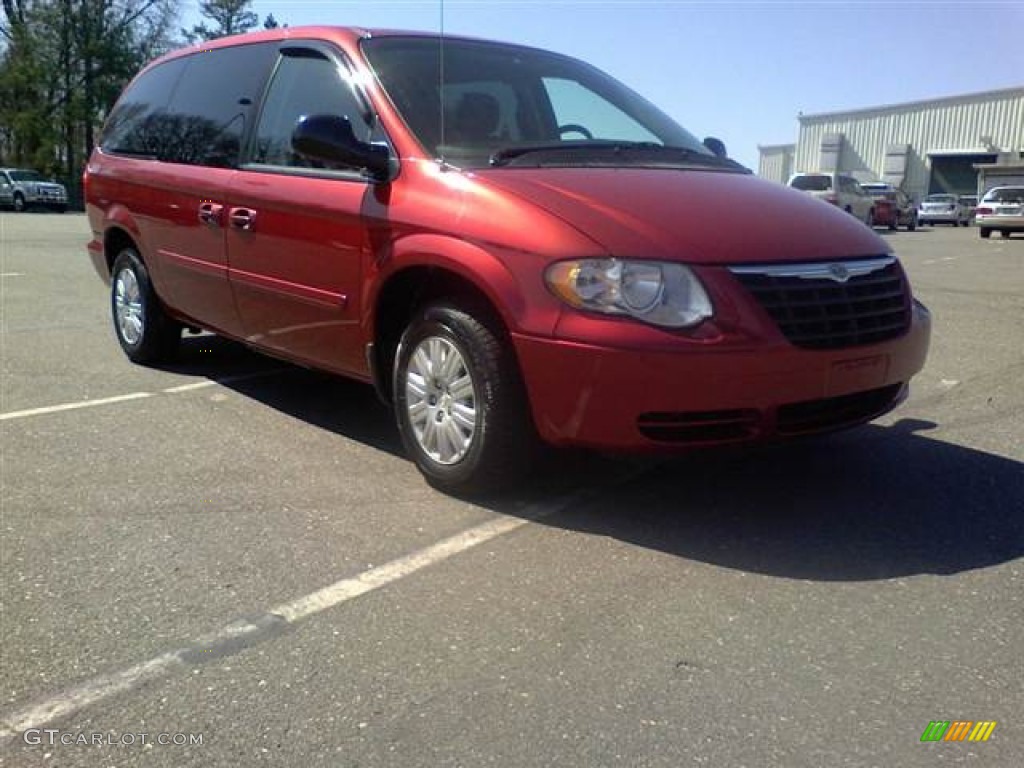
(874, 503)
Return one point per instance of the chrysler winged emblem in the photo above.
(838, 272)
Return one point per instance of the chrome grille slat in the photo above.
(820, 306)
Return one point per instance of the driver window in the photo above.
(305, 83)
(583, 114)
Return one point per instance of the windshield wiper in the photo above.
(506, 155)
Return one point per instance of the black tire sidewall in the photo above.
(494, 450)
(158, 332)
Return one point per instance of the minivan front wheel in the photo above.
(143, 329)
(459, 401)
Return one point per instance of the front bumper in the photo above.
(48, 197)
(644, 400)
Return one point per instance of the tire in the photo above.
(912, 224)
(1005, 234)
(143, 328)
(19, 203)
(460, 404)
(985, 232)
(61, 209)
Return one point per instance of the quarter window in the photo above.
(193, 109)
(136, 126)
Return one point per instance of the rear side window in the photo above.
(305, 83)
(213, 103)
(192, 110)
(137, 126)
(812, 183)
(1005, 195)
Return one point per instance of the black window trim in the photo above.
(298, 47)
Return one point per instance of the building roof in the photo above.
(922, 104)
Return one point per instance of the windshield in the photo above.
(26, 176)
(502, 98)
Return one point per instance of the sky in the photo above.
(741, 71)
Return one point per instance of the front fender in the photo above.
(511, 280)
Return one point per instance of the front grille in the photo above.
(699, 426)
(832, 305)
(834, 412)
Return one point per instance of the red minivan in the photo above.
(508, 243)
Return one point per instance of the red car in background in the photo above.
(894, 208)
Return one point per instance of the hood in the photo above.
(696, 216)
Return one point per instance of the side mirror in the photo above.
(330, 139)
(717, 146)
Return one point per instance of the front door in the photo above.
(296, 234)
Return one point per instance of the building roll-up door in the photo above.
(954, 172)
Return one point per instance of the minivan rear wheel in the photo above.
(144, 330)
(459, 402)
(19, 203)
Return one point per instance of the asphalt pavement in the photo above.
(229, 562)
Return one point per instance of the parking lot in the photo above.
(235, 549)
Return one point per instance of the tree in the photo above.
(62, 65)
(270, 22)
(231, 17)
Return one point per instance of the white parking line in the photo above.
(73, 406)
(190, 387)
(12, 274)
(239, 635)
(134, 396)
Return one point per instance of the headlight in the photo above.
(656, 292)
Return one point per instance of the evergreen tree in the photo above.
(229, 17)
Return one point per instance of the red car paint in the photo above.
(303, 278)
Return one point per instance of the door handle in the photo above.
(242, 218)
(210, 213)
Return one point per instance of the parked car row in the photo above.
(879, 204)
(22, 189)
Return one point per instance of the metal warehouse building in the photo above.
(962, 144)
